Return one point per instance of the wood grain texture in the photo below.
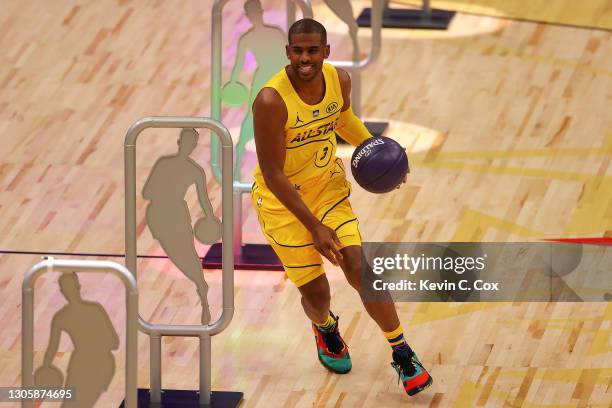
(510, 139)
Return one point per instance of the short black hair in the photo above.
(307, 26)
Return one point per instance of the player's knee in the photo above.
(353, 275)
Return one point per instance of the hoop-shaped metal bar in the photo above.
(27, 333)
(215, 78)
(227, 215)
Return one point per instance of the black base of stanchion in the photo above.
(188, 399)
(375, 128)
(409, 18)
(255, 257)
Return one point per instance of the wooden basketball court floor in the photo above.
(509, 133)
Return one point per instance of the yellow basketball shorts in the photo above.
(328, 199)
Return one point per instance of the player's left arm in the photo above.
(350, 127)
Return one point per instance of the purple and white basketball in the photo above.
(379, 164)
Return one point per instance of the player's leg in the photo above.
(382, 310)
(336, 212)
(315, 299)
(331, 348)
(304, 267)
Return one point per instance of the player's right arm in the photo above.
(269, 117)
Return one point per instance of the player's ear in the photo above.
(327, 51)
(287, 51)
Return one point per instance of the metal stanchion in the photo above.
(203, 397)
(69, 266)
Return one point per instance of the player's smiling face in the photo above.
(306, 53)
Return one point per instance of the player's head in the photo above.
(307, 48)
(70, 286)
(188, 140)
(253, 9)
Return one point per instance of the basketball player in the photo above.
(301, 194)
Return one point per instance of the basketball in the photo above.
(48, 376)
(379, 164)
(207, 230)
(234, 93)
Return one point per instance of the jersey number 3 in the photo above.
(323, 156)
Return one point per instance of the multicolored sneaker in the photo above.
(410, 370)
(332, 350)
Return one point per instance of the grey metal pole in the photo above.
(131, 348)
(155, 370)
(426, 10)
(238, 223)
(205, 370)
(290, 13)
(129, 154)
(27, 341)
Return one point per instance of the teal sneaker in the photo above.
(410, 370)
(332, 350)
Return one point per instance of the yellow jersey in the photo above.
(310, 140)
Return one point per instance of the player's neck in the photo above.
(311, 92)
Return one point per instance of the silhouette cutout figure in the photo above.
(344, 10)
(266, 43)
(168, 215)
(92, 363)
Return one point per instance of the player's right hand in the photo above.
(327, 243)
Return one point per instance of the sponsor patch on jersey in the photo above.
(331, 107)
(315, 113)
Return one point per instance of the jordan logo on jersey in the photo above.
(297, 119)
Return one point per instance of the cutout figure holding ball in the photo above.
(168, 216)
(265, 42)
